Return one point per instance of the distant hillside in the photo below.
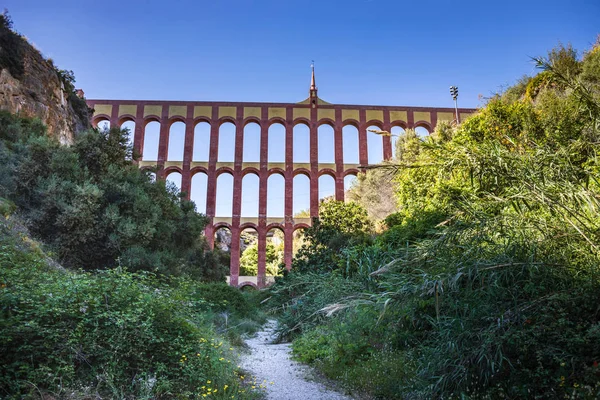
(32, 86)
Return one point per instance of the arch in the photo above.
(224, 170)
(349, 180)
(249, 196)
(300, 225)
(226, 150)
(151, 118)
(275, 238)
(198, 190)
(251, 150)
(302, 171)
(301, 198)
(102, 123)
(276, 143)
(173, 176)
(422, 129)
(248, 251)
(276, 195)
(275, 225)
(327, 171)
(151, 138)
(350, 146)
(176, 141)
(198, 120)
(249, 225)
(224, 195)
(201, 141)
(101, 118)
(222, 225)
(326, 140)
(246, 284)
(250, 170)
(374, 145)
(301, 143)
(351, 122)
(126, 118)
(277, 171)
(277, 120)
(170, 170)
(351, 171)
(374, 123)
(396, 131)
(326, 187)
(400, 123)
(174, 119)
(250, 120)
(197, 170)
(129, 125)
(301, 120)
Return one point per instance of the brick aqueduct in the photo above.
(312, 112)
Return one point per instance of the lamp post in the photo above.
(454, 93)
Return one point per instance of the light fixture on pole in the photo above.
(454, 93)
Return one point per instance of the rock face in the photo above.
(39, 92)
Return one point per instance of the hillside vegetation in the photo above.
(485, 284)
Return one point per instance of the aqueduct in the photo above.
(345, 124)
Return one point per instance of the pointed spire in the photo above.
(313, 86)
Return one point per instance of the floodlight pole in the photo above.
(454, 93)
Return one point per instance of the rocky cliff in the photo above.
(32, 86)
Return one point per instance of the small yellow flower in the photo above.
(208, 382)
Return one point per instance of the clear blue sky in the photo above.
(366, 51)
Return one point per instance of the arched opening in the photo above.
(374, 145)
(250, 190)
(226, 151)
(201, 142)
(326, 187)
(249, 252)
(396, 132)
(301, 143)
(224, 197)
(348, 182)
(276, 151)
(222, 244)
(298, 240)
(176, 141)
(198, 191)
(151, 137)
(103, 125)
(151, 176)
(350, 144)
(130, 127)
(251, 143)
(326, 144)
(174, 179)
(274, 253)
(422, 132)
(275, 196)
(301, 198)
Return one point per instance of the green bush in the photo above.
(115, 333)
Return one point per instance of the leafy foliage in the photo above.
(96, 209)
(485, 284)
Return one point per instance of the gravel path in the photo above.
(272, 363)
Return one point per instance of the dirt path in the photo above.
(285, 379)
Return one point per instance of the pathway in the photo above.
(284, 378)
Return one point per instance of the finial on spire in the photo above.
(313, 86)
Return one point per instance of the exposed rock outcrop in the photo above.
(37, 90)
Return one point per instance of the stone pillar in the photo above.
(188, 149)
(339, 156)
(314, 163)
(262, 195)
(114, 116)
(410, 116)
(163, 142)
(288, 245)
(234, 265)
(387, 140)
(140, 128)
(211, 184)
(262, 253)
(363, 153)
